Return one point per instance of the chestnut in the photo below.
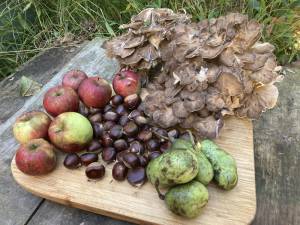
(98, 129)
(72, 161)
(83, 110)
(136, 176)
(107, 108)
(130, 139)
(143, 160)
(134, 114)
(161, 134)
(165, 146)
(121, 154)
(119, 171)
(131, 129)
(94, 110)
(136, 147)
(88, 158)
(108, 125)
(94, 146)
(117, 100)
(141, 107)
(106, 140)
(109, 154)
(141, 120)
(95, 171)
(153, 155)
(121, 110)
(116, 132)
(111, 116)
(95, 118)
(123, 120)
(152, 145)
(173, 134)
(131, 160)
(120, 145)
(132, 101)
(145, 135)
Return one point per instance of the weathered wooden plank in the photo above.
(16, 205)
(41, 69)
(51, 213)
(277, 157)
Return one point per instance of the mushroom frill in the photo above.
(199, 72)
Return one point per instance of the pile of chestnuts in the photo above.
(123, 136)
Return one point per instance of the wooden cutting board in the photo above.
(142, 205)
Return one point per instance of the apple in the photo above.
(31, 125)
(36, 157)
(70, 132)
(73, 79)
(126, 82)
(60, 99)
(95, 92)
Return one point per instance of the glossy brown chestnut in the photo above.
(72, 161)
(109, 154)
(95, 171)
(141, 120)
(107, 108)
(131, 160)
(143, 160)
(132, 101)
(120, 145)
(96, 118)
(121, 154)
(111, 116)
(94, 110)
(136, 147)
(134, 114)
(108, 125)
(116, 132)
(98, 129)
(106, 140)
(152, 145)
(119, 171)
(123, 120)
(131, 129)
(136, 176)
(94, 146)
(145, 135)
(121, 110)
(88, 158)
(153, 155)
(117, 100)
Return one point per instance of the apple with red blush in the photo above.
(73, 79)
(31, 125)
(95, 92)
(60, 99)
(126, 82)
(36, 157)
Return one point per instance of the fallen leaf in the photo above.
(28, 87)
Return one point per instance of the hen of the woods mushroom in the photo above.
(196, 73)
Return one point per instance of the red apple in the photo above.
(36, 157)
(73, 79)
(31, 125)
(95, 92)
(60, 99)
(126, 82)
(70, 132)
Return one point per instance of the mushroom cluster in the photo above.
(199, 72)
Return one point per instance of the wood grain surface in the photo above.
(142, 205)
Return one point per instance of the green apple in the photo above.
(70, 132)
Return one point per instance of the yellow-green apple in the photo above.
(73, 79)
(95, 92)
(70, 132)
(31, 125)
(61, 99)
(36, 157)
(126, 82)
